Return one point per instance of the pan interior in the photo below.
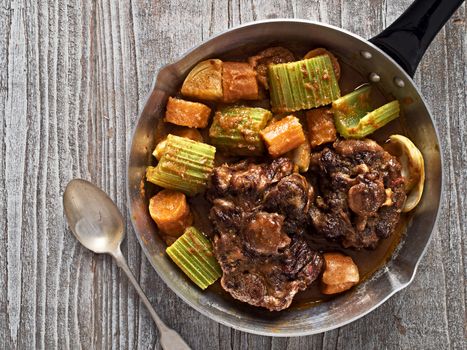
(416, 123)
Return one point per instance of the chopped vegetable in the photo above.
(303, 84)
(413, 168)
(235, 130)
(193, 254)
(239, 82)
(170, 210)
(186, 113)
(353, 118)
(283, 135)
(271, 55)
(185, 165)
(340, 273)
(320, 52)
(192, 134)
(204, 81)
(349, 109)
(301, 156)
(160, 149)
(354, 105)
(189, 133)
(321, 127)
(374, 120)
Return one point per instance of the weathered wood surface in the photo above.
(73, 76)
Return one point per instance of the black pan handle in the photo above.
(407, 39)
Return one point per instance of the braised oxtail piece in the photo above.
(258, 213)
(360, 193)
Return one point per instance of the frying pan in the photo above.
(389, 60)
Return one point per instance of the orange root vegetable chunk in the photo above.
(283, 136)
(321, 127)
(340, 273)
(204, 81)
(320, 52)
(186, 113)
(171, 212)
(192, 134)
(239, 82)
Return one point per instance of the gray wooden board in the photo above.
(73, 77)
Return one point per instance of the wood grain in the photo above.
(73, 78)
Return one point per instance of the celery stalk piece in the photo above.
(185, 165)
(236, 130)
(193, 254)
(350, 108)
(353, 116)
(302, 84)
(376, 119)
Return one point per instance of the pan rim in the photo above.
(248, 327)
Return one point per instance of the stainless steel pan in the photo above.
(390, 60)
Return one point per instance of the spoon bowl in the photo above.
(93, 217)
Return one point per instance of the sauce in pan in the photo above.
(368, 261)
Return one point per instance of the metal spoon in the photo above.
(98, 224)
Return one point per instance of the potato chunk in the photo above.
(340, 273)
(204, 81)
(170, 210)
(321, 127)
(283, 135)
(186, 113)
(239, 82)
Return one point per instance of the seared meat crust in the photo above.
(258, 213)
(360, 193)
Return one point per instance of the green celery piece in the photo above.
(376, 119)
(354, 118)
(286, 93)
(193, 254)
(235, 130)
(350, 108)
(185, 165)
(302, 84)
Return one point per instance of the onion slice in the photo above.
(413, 168)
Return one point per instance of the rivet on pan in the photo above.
(399, 82)
(374, 77)
(365, 54)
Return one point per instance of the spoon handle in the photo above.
(169, 338)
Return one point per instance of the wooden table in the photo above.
(74, 76)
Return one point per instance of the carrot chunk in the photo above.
(283, 135)
(239, 82)
(321, 127)
(171, 212)
(186, 113)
